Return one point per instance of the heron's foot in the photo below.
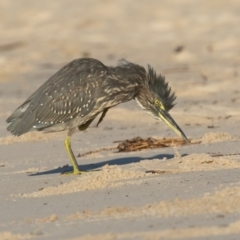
(75, 172)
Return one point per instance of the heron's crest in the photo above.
(160, 87)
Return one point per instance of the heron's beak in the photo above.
(166, 117)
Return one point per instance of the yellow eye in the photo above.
(157, 102)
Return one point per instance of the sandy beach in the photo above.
(171, 191)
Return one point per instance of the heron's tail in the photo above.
(22, 120)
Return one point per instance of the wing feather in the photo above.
(60, 98)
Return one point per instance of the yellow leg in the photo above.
(67, 144)
(74, 163)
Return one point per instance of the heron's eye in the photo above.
(157, 102)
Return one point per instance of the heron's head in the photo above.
(157, 99)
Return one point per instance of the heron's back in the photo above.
(76, 94)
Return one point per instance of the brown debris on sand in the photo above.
(138, 143)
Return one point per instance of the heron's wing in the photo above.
(68, 93)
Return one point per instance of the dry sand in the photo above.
(171, 234)
(177, 192)
(115, 176)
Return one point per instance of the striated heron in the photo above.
(74, 96)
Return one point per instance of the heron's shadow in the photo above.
(95, 166)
